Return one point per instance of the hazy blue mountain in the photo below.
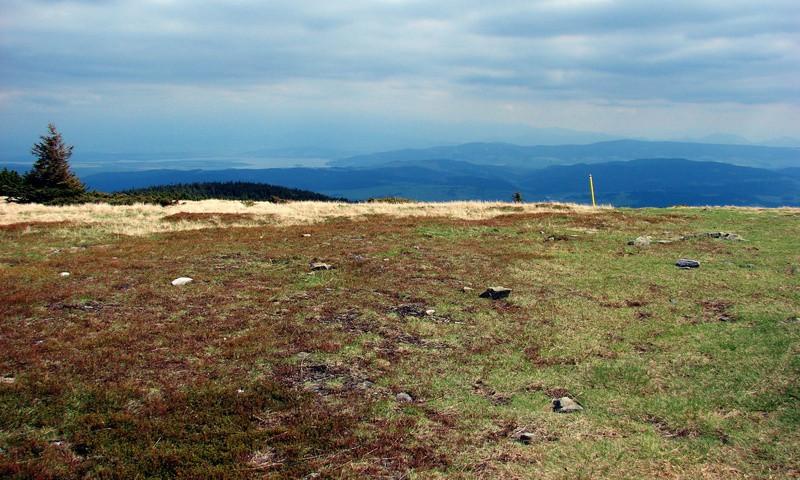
(637, 183)
(618, 150)
(782, 142)
(791, 172)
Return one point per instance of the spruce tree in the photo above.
(51, 174)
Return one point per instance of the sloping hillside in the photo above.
(386, 362)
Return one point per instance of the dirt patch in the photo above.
(218, 218)
(667, 431)
(410, 310)
(498, 398)
(717, 310)
(22, 227)
(532, 354)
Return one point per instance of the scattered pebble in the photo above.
(182, 281)
(686, 263)
(64, 274)
(525, 437)
(643, 241)
(403, 397)
(734, 237)
(467, 289)
(430, 312)
(496, 293)
(320, 266)
(566, 405)
(306, 235)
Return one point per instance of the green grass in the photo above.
(683, 374)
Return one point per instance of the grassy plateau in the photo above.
(262, 368)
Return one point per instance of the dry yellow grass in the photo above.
(141, 219)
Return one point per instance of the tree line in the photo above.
(51, 181)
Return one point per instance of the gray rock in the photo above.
(525, 437)
(403, 397)
(320, 266)
(496, 293)
(687, 263)
(566, 405)
(643, 241)
(182, 281)
(725, 236)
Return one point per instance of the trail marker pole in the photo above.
(591, 189)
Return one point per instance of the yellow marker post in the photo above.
(591, 188)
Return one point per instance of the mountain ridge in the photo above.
(540, 156)
(636, 183)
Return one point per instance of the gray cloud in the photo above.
(469, 51)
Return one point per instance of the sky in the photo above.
(358, 75)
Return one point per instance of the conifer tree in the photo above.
(51, 172)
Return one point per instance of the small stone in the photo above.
(566, 405)
(403, 397)
(496, 293)
(302, 356)
(525, 437)
(8, 380)
(467, 289)
(320, 266)
(365, 385)
(643, 241)
(430, 312)
(733, 237)
(64, 274)
(306, 235)
(182, 281)
(240, 391)
(686, 263)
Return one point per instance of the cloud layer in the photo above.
(507, 60)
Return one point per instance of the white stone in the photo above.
(64, 274)
(182, 281)
(403, 397)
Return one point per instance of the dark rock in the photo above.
(725, 236)
(566, 405)
(687, 263)
(496, 293)
(525, 437)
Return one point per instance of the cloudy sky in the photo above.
(122, 75)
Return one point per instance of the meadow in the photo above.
(390, 365)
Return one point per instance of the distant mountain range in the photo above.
(539, 156)
(637, 183)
